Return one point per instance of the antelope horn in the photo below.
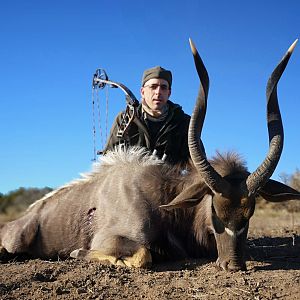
(260, 176)
(215, 182)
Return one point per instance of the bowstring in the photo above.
(99, 115)
(106, 113)
(99, 120)
(94, 123)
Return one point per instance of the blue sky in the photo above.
(50, 50)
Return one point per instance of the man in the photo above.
(160, 125)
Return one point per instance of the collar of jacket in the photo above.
(172, 107)
(140, 123)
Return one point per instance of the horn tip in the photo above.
(292, 47)
(193, 47)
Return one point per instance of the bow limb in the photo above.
(130, 98)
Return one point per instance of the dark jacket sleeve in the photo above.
(180, 138)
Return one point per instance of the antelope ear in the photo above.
(189, 197)
(275, 191)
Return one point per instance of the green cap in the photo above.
(157, 72)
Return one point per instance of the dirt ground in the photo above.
(273, 272)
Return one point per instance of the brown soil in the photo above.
(273, 272)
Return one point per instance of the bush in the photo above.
(16, 202)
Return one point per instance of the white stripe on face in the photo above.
(234, 233)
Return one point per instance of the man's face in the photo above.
(156, 92)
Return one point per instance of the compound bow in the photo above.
(100, 80)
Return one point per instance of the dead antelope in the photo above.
(134, 209)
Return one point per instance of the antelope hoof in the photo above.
(93, 255)
(141, 259)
